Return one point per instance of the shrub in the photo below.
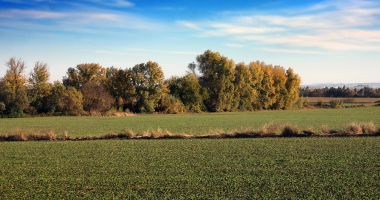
(269, 129)
(335, 103)
(320, 102)
(325, 129)
(298, 103)
(306, 102)
(290, 131)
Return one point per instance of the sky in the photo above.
(322, 41)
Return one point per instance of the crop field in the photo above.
(342, 168)
(356, 100)
(193, 123)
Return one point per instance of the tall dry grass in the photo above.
(268, 130)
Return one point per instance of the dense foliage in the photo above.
(89, 89)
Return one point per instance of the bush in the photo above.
(335, 103)
(320, 102)
(298, 104)
(306, 102)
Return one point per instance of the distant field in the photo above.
(193, 123)
(357, 100)
(285, 168)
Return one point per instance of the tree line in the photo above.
(340, 92)
(213, 83)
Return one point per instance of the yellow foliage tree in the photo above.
(39, 79)
(15, 76)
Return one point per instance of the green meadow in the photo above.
(193, 123)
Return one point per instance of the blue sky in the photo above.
(323, 41)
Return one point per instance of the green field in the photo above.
(341, 168)
(193, 123)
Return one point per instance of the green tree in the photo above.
(119, 84)
(188, 89)
(217, 77)
(148, 79)
(12, 103)
(39, 79)
(83, 73)
(72, 101)
(15, 76)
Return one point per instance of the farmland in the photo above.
(315, 167)
(193, 123)
(210, 168)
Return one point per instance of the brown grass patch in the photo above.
(271, 129)
(290, 131)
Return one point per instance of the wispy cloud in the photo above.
(116, 3)
(191, 25)
(167, 52)
(78, 21)
(116, 53)
(234, 45)
(297, 51)
(332, 25)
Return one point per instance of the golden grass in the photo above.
(268, 130)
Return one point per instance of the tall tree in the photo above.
(188, 89)
(217, 77)
(15, 76)
(83, 73)
(293, 83)
(279, 83)
(119, 84)
(148, 79)
(39, 79)
(95, 97)
(245, 93)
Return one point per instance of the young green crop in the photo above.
(193, 123)
(341, 168)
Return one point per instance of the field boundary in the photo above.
(268, 130)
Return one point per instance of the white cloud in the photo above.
(298, 51)
(189, 25)
(234, 45)
(115, 3)
(169, 52)
(331, 25)
(78, 21)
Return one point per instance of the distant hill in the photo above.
(351, 85)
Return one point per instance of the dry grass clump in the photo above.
(126, 134)
(156, 134)
(64, 135)
(270, 129)
(354, 129)
(371, 128)
(325, 129)
(110, 135)
(310, 132)
(290, 131)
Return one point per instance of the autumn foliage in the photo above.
(215, 83)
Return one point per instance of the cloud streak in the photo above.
(77, 21)
(332, 25)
